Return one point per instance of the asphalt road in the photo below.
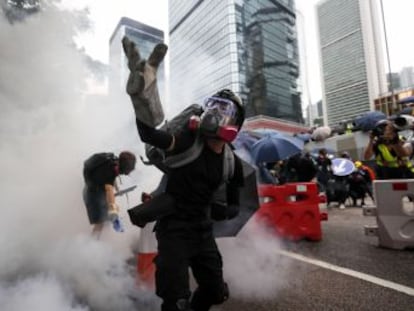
(346, 270)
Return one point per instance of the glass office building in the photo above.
(146, 37)
(247, 46)
(353, 73)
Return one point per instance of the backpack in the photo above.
(180, 122)
(93, 162)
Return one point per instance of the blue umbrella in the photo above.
(245, 139)
(276, 147)
(264, 132)
(367, 121)
(305, 137)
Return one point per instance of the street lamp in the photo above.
(388, 57)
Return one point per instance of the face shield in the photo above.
(219, 118)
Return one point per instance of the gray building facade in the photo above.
(407, 77)
(247, 46)
(146, 37)
(351, 55)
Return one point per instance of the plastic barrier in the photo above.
(147, 250)
(394, 213)
(292, 210)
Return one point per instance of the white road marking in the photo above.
(359, 275)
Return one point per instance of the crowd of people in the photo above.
(388, 155)
(305, 167)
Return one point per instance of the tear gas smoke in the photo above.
(252, 266)
(48, 126)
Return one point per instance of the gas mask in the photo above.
(219, 119)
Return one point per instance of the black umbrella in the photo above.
(249, 204)
(406, 100)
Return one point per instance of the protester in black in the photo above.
(302, 168)
(100, 171)
(324, 165)
(185, 238)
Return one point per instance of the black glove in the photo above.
(151, 210)
(222, 211)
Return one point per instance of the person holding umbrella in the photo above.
(185, 236)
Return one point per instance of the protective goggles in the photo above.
(224, 106)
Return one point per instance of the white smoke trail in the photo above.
(252, 267)
(48, 127)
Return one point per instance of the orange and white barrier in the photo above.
(147, 251)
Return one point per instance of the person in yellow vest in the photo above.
(390, 152)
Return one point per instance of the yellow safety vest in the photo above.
(407, 163)
(385, 158)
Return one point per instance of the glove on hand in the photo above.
(117, 225)
(220, 211)
(142, 82)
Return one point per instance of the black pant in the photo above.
(183, 245)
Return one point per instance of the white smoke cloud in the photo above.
(252, 266)
(48, 127)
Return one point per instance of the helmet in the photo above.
(223, 115)
(379, 128)
(127, 161)
(358, 164)
(345, 155)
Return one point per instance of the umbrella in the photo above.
(244, 139)
(276, 147)
(264, 132)
(244, 154)
(321, 133)
(249, 204)
(305, 137)
(406, 100)
(342, 166)
(367, 121)
(407, 110)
